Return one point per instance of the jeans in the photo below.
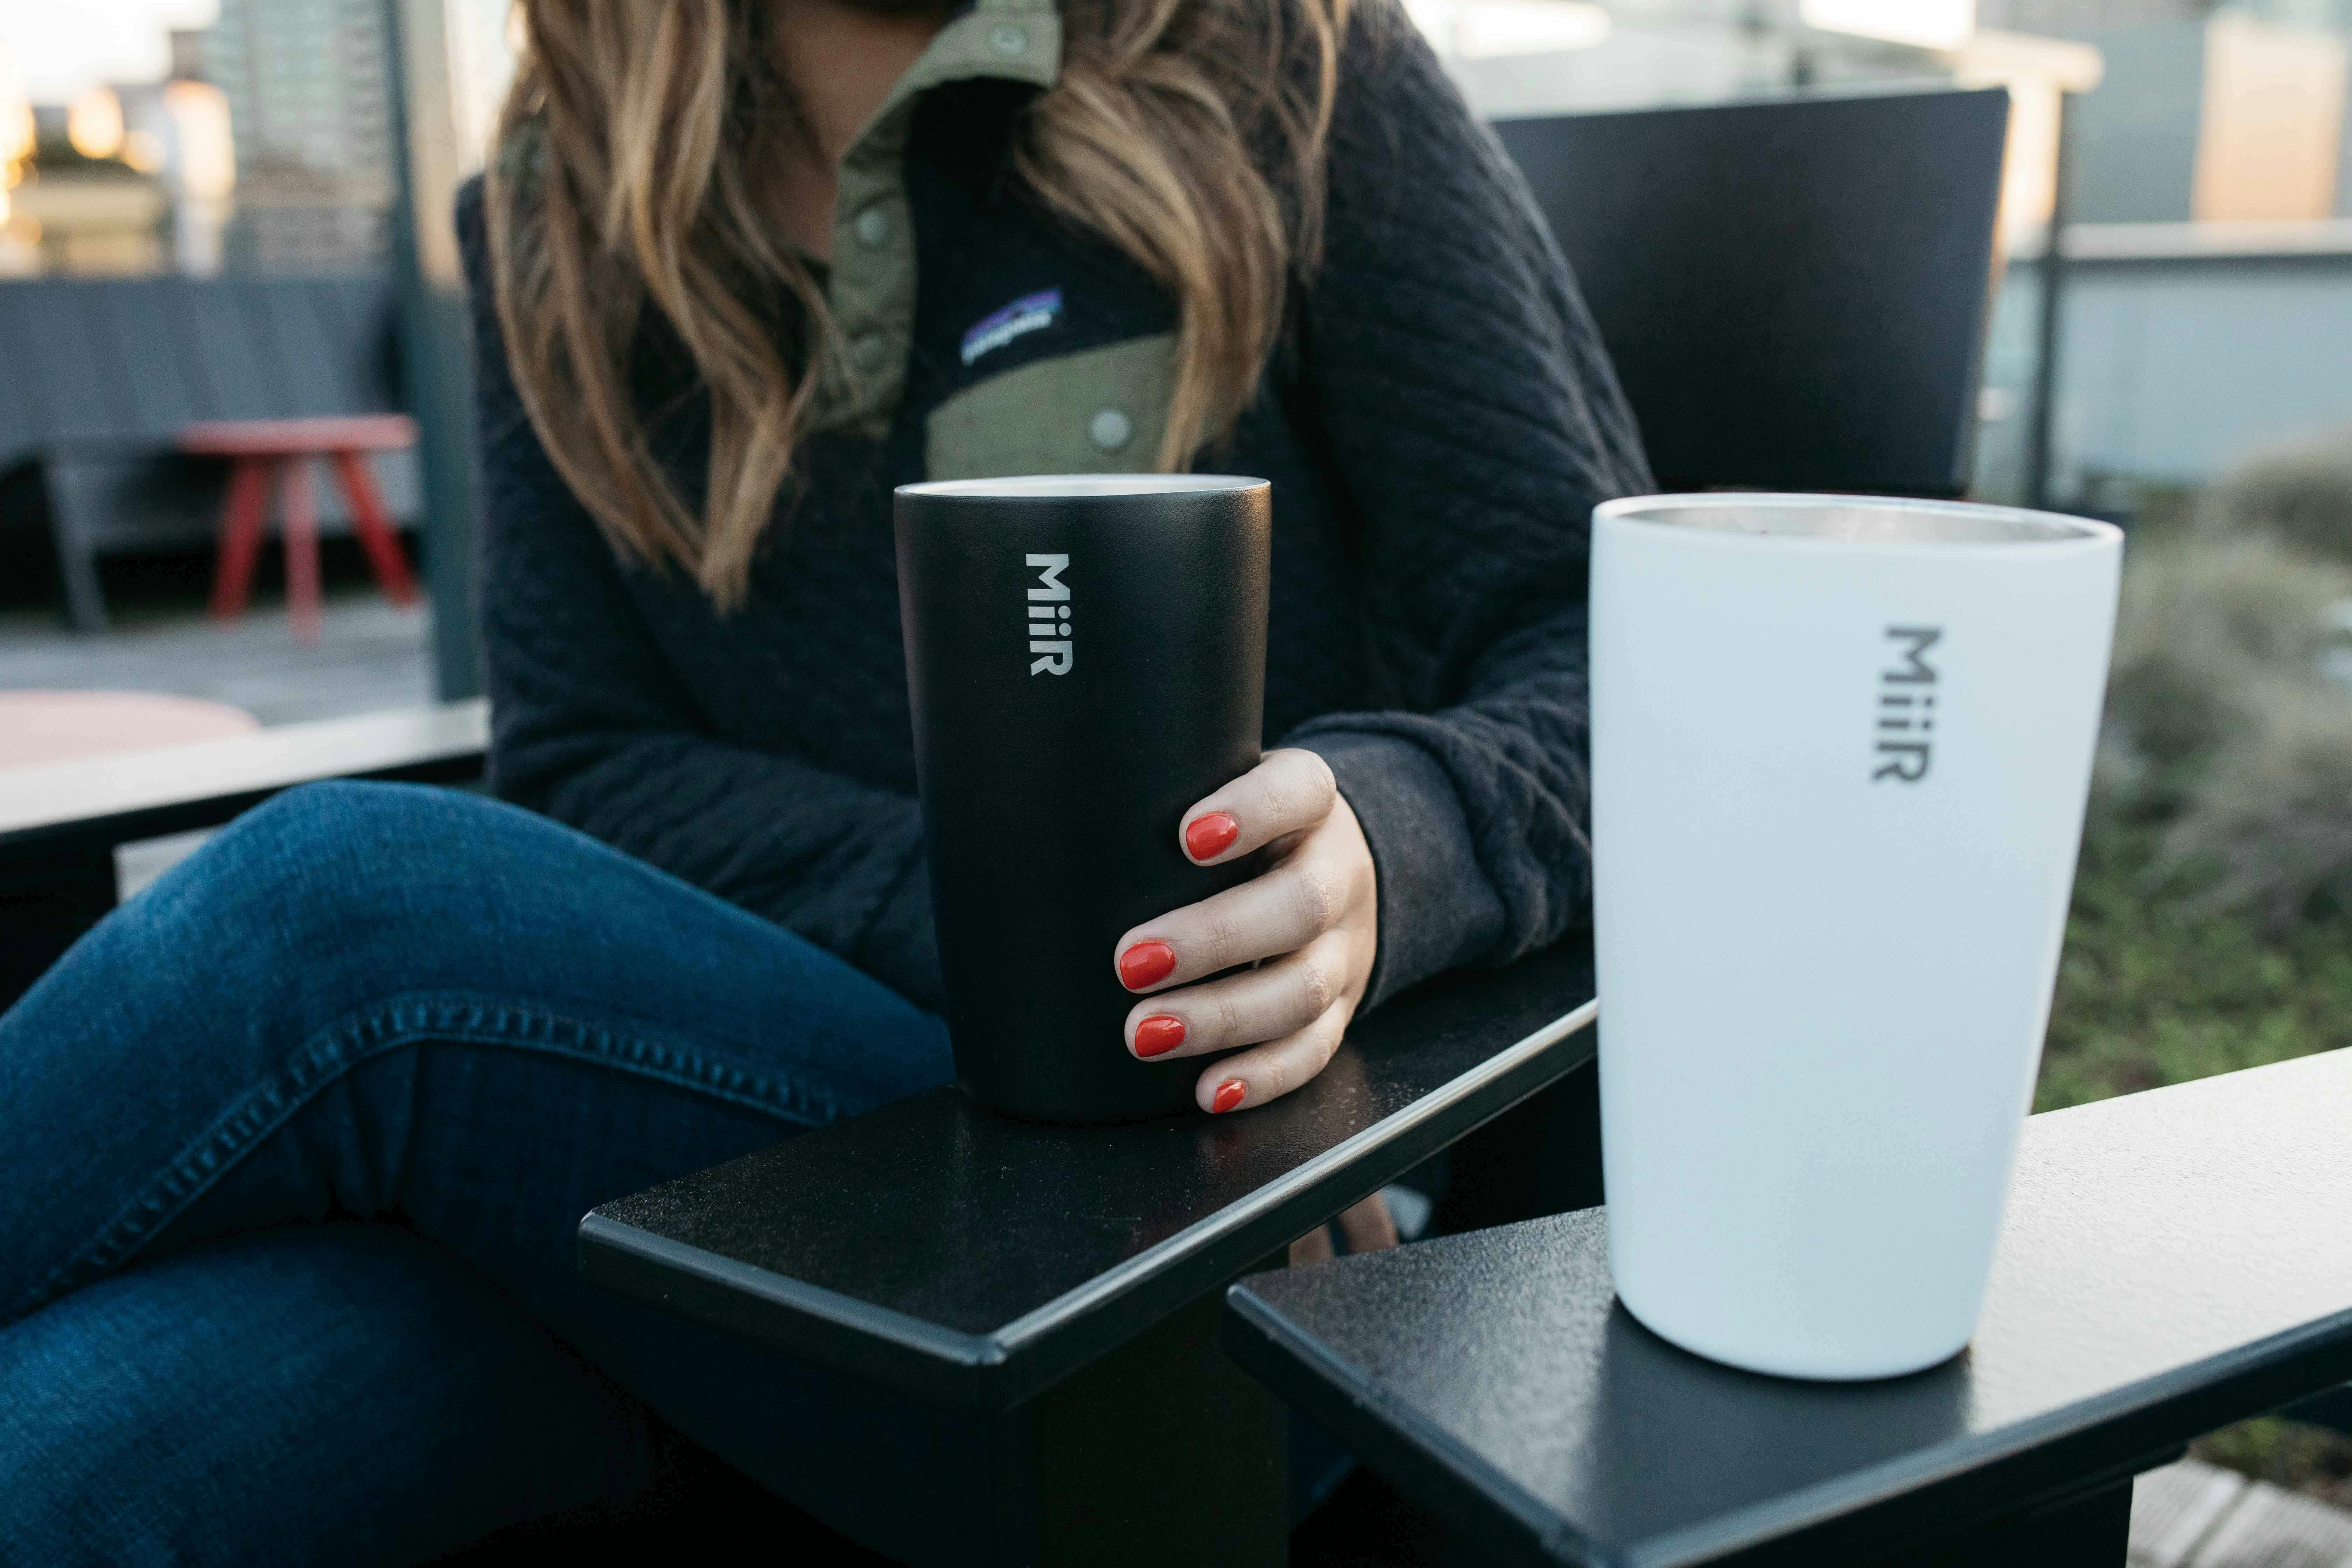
(291, 1150)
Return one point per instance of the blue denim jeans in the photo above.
(291, 1150)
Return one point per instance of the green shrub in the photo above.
(2301, 493)
(2156, 988)
(2212, 924)
(2310, 1459)
(2229, 720)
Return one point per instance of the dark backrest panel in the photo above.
(18, 388)
(358, 342)
(140, 329)
(129, 361)
(1795, 292)
(235, 362)
(45, 346)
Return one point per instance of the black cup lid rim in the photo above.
(1081, 487)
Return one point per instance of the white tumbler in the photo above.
(1841, 748)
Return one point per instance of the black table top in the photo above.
(972, 1260)
(2170, 1262)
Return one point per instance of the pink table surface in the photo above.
(38, 727)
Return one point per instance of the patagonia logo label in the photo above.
(1049, 617)
(1906, 706)
(1027, 314)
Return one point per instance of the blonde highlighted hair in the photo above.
(636, 145)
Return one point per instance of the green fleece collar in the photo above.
(871, 288)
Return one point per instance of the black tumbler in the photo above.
(1085, 659)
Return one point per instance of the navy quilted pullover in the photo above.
(1437, 426)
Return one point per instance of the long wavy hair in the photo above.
(640, 136)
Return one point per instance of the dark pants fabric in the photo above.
(291, 1150)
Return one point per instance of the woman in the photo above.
(739, 267)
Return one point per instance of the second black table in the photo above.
(2170, 1262)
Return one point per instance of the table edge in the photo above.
(903, 1328)
(123, 796)
(1889, 1481)
(1297, 1360)
(1042, 1320)
(994, 1369)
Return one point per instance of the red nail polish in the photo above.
(1146, 963)
(1159, 1035)
(1229, 1094)
(1206, 837)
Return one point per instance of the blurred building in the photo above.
(178, 129)
(485, 37)
(19, 235)
(308, 86)
(2208, 281)
(77, 206)
(2207, 115)
(126, 179)
(1547, 57)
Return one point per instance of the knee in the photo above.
(302, 909)
(345, 889)
(312, 858)
(301, 822)
(314, 816)
(328, 830)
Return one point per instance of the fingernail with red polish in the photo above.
(1159, 1035)
(1229, 1094)
(1146, 963)
(1206, 837)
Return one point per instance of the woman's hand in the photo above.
(1310, 919)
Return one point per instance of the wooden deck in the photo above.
(373, 656)
(2194, 1515)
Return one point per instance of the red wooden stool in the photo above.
(268, 450)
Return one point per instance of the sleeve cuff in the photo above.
(1437, 910)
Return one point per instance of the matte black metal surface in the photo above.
(2172, 1261)
(1140, 688)
(1161, 1454)
(1794, 292)
(973, 1259)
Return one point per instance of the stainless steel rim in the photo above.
(1061, 487)
(1864, 521)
